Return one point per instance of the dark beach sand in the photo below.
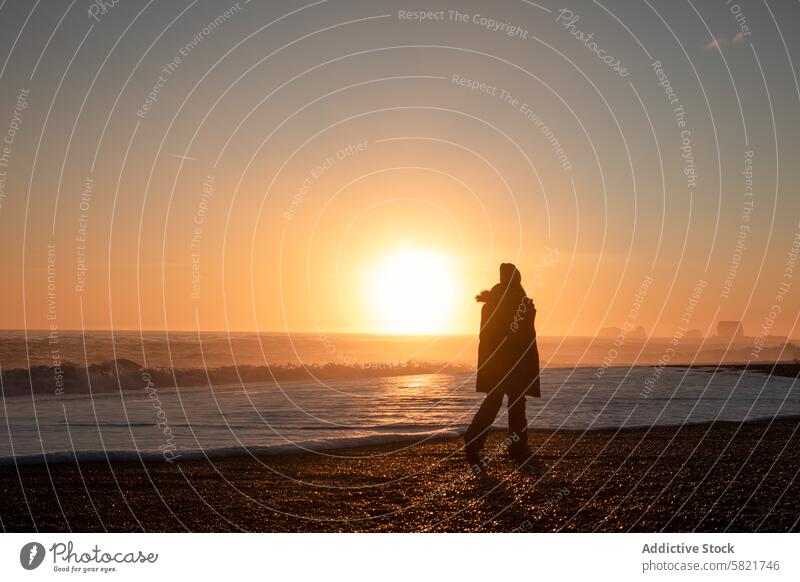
(734, 477)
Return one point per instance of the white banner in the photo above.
(401, 557)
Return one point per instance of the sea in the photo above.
(211, 419)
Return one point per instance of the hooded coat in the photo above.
(508, 358)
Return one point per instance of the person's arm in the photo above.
(486, 313)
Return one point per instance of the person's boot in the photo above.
(472, 452)
(520, 451)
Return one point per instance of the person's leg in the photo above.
(479, 428)
(517, 425)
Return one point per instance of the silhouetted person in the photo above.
(508, 363)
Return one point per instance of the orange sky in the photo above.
(311, 159)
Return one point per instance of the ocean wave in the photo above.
(123, 374)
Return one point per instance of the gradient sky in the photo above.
(286, 241)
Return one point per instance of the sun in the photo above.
(413, 291)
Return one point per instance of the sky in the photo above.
(365, 166)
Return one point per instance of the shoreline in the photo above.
(725, 476)
(348, 444)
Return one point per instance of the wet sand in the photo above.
(710, 478)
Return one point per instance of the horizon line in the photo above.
(366, 333)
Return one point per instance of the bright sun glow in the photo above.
(413, 291)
